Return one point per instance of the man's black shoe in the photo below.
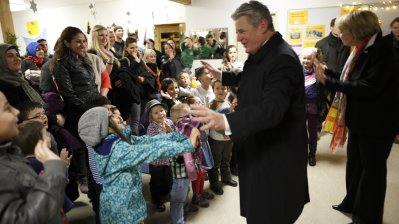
(231, 182)
(341, 208)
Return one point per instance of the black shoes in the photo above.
(312, 160)
(207, 195)
(159, 206)
(200, 201)
(190, 208)
(217, 189)
(230, 182)
(342, 208)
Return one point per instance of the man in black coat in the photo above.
(268, 127)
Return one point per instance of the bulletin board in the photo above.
(307, 26)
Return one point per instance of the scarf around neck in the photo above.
(16, 79)
(340, 100)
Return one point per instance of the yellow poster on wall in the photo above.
(347, 9)
(315, 32)
(309, 44)
(32, 27)
(295, 35)
(297, 17)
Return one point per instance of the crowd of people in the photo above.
(87, 117)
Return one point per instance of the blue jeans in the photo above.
(178, 197)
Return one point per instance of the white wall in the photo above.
(56, 19)
(201, 14)
(214, 14)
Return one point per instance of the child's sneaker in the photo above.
(159, 206)
(207, 195)
(200, 201)
(190, 208)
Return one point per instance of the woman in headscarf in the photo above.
(12, 82)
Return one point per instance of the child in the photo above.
(221, 144)
(25, 196)
(184, 82)
(161, 175)
(119, 156)
(230, 61)
(95, 179)
(35, 111)
(169, 86)
(232, 98)
(180, 116)
(204, 92)
(30, 133)
(181, 181)
(311, 100)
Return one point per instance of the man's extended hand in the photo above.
(211, 119)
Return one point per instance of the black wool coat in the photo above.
(269, 133)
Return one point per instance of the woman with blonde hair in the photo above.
(367, 105)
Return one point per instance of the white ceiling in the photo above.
(18, 5)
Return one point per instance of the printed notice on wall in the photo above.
(295, 36)
(297, 17)
(315, 32)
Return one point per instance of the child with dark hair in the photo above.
(221, 144)
(171, 89)
(30, 133)
(119, 156)
(204, 92)
(34, 111)
(65, 139)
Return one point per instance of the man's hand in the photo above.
(217, 74)
(211, 119)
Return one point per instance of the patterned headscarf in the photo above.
(15, 78)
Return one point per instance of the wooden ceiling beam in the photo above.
(184, 2)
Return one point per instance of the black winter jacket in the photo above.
(76, 80)
(26, 197)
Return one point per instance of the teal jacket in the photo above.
(121, 200)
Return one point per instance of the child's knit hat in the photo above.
(93, 125)
(31, 48)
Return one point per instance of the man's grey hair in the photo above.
(255, 11)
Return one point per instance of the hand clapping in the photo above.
(43, 153)
(319, 70)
